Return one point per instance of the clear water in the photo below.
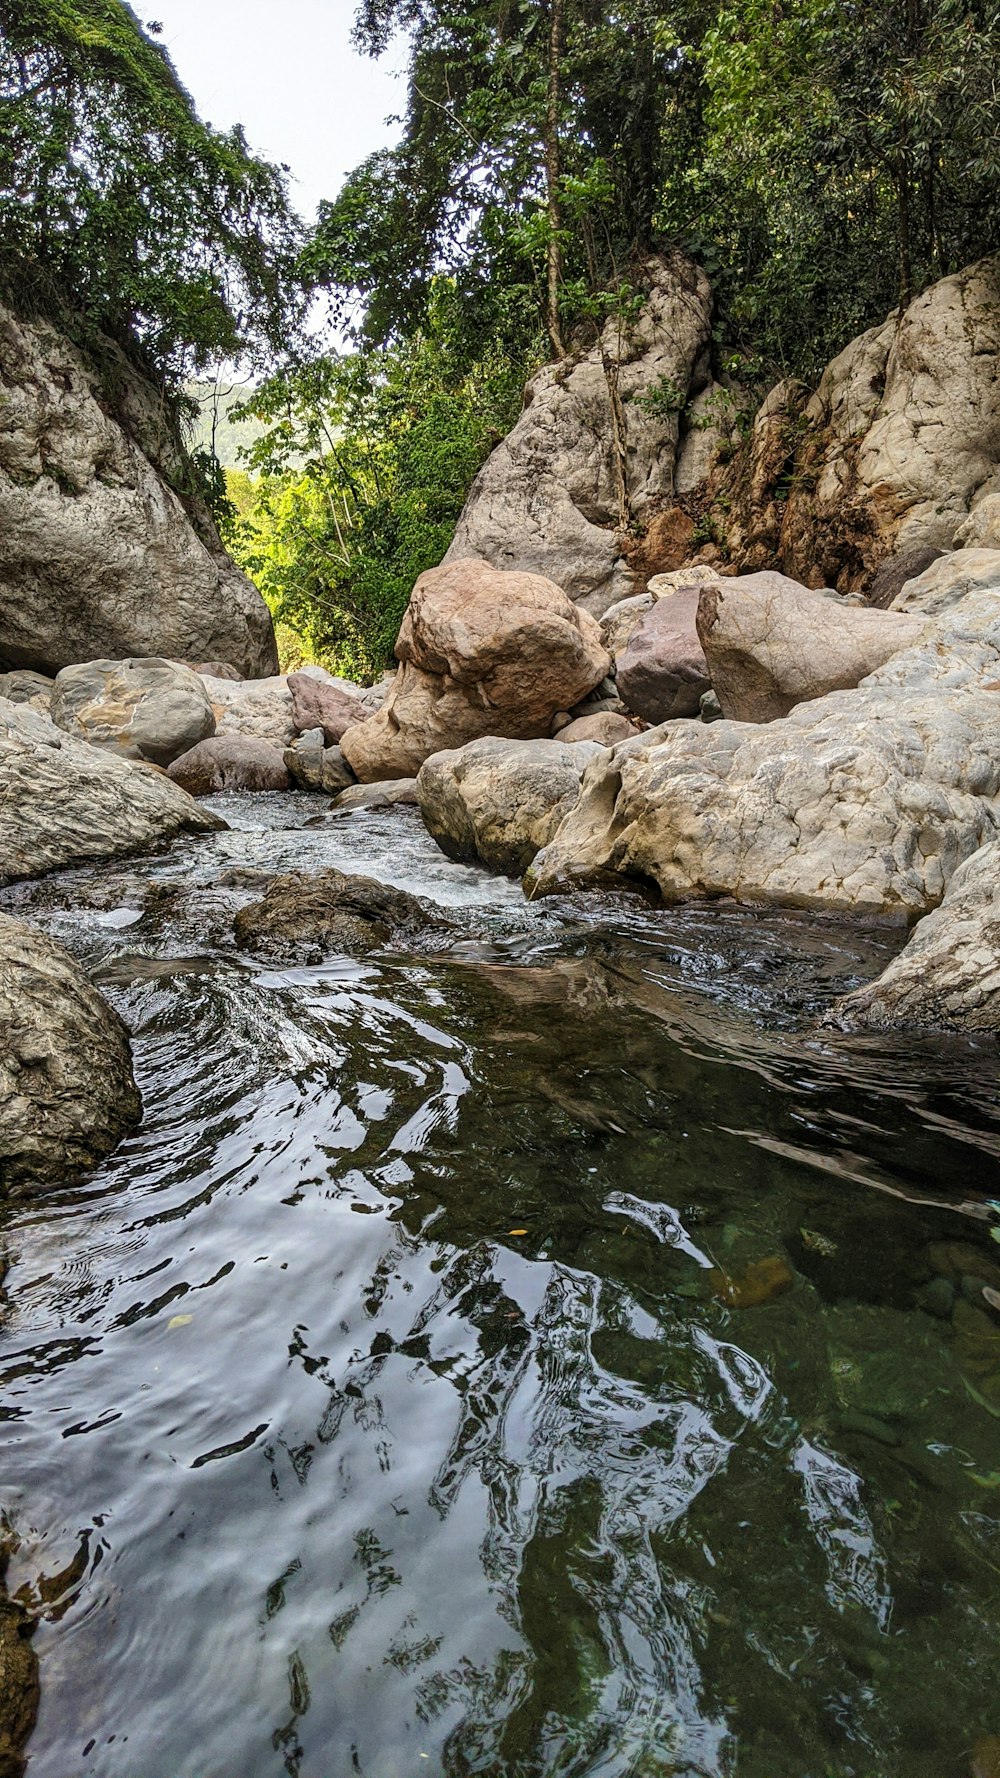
(557, 1356)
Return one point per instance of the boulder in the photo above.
(64, 802)
(310, 916)
(258, 707)
(213, 669)
(100, 558)
(662, 673)
(896, 570)
(481, 653)
(949, 580)
(981, 530)
(316, 704)
(619, 622)
(589, 454)
(24, 687)
(145, 709)
(230, 762)
(607, 728)
(947, 978)
(771, 644)
(867, 799)
(313, 766)
(389, 794)
(67, 1092)
(498, 802)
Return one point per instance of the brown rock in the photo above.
(607, 729)
(759, 1283)
(481, 652)
(315, 704)
(312, 915)
(663, 672)
(18, 1686)
(230, 762)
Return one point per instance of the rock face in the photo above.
(144, 709)
(317, 704)
(481, 653)
(313, 915)
(67, 1093)
(663, 673)
(586, 457)
(498, 802)
(64, 802)
(948, 977)
(230, 762)
(770, 643)
(98, 556)
(866, 799)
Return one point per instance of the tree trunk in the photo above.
(554, 250)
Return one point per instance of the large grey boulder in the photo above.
(867, 799)
(662, 673)
(498, 802)
(770, 643)
(144, 709)
(258, 707)
(588, 454)
(99, 558)
(314, 766)
(67, 1091)
(230, 763)
(947, 978)
(481, 652)
(63, 802)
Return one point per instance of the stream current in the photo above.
(551, 1356)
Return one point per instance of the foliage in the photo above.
(119, 205)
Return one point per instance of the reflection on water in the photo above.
(551, 1357)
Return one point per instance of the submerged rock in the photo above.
(64, 802)
(145, 709)
(230, 762)
(481, 653)
(498, 802)
(19, 1689)
(67, 1092)
(312, 915)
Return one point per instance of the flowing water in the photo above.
(556, 1355)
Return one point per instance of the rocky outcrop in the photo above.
(144, 709)
(770, 644)
(596, 446)
(498, 802)
(312, 916)
(99, 556)
(67, 1092)
(949, 580)
(867, 799)
(662, 672)
(947, 978)
(230, 763)
(481, 653)
(64, 802)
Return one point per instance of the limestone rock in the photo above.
(313, 915)
(866, 799)
(24, 687)
(64, 802)
(550, 499)
(230, 762)
(145, 709)
(316, 704)
(607, 728)
(662, 673)
(258, 707)
(67, 1092)
(949, 580)
(481, 652)
(981, 530)
(389, 794)
(947, 977)
(771, 644)
(620, 620)
(98, 556)
(497, 802)
(314, 766)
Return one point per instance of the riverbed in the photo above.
(556, 1354)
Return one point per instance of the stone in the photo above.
(67, 1092)
(228, 763)
(63, 802)
(589, 455)
(771, 644)
(620, 620)
(312, 916)
(19, 1690)
(662, 673)
(981, 530)
(313, 766)
(145, 709)
(607, 728)
(100, 557)
(481, 652)
(896, 570)
(24, 687)
(258, 707)
(948, 581)
(760, 1282)
(867, 799)
(947, 978)
(319, 705)
(498, 802)
(213, 669)
(389, 794)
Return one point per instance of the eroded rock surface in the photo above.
(481, 652)
(98, 557)
(230, 762)
(67, 1092)
(145, 709)
(314, 915)
(498, 802)
(312, 765)
(258, 707)
(64, 802)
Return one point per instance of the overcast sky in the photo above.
(285, 69)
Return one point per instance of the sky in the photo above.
(285, 70)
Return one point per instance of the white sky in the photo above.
(285, 70)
